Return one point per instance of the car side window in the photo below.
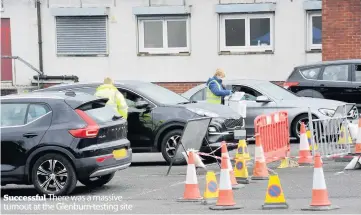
(130, 98)
(312, 73)
(250, 94)
(358, 73)
(36, 111)
(88, 90)
(198, 96)
(335, 73)
(13, 114)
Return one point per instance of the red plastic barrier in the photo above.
(273, 131)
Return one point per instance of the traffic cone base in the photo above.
(215, 207)
(225, 205)
(355, 163)
(209, 201)
(320, 208)
(260, 171)
(275, 206)
(243, 180)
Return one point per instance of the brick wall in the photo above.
(179, 87)
(341, 29)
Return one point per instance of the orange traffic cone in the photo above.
(233, 179)
(225, 197)
(305, 158)
(358, 140)
(260, 171)
(191, 192)
(320, 201)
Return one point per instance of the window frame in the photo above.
(83, 54)
(165, 49)
(309, 31)
(247, 47)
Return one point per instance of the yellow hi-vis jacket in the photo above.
(116, 99)
(211, 97)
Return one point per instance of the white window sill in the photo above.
(144, 54)
(82, 55)
(250, 52)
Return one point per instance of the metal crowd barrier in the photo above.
(273, 132)
(330, 137)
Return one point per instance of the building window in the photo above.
(81, 35)
(164, 35)
(246, 33)
(314, 30)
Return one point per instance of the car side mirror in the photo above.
(262, 99)
(141, 104)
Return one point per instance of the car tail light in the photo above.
(287, 85)
(90, 131)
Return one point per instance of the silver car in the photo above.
(264, 97)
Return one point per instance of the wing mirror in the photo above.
(141, 104)
(262, 99)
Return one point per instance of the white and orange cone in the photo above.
(191, 192)
(355, 163)
(233, 179)
(225, 197)
(260, 171)
(305, 158)
(358, 140)
(320, 201)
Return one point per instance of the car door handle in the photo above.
(322, 85)
(30, 135)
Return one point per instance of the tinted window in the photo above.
(276, 91)
(130, 98)
(36, 111)
(198, 96)
(235, 32)
(358, 73)
(335, 73)
(99, 111)
(311, 73)
(13, 114)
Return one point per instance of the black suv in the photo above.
(337, 80)
(157, 116)
(52, 140)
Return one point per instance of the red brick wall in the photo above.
(341, 29)
(179, 87)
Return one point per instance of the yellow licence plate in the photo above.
(120, 153)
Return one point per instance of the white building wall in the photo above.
(123, 61)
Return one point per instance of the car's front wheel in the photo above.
(97, 181)
(296, 125)
(169, 144)
(53, 174)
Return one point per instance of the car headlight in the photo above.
(327, 112)
(212, 129)
(203, 112)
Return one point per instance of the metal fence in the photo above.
(331, 137)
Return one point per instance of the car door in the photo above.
(22, 127)
(254, 108)
(356, 84)
(140, 120)
(335, 82)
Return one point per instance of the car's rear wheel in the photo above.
(53, 174)
(169, 144)
(97, 181)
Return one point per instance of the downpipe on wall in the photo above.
(40, 38)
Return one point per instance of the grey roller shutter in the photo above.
(81, 35)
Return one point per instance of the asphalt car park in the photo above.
(157, 116)
(143, 188)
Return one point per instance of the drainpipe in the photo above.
(40, 40)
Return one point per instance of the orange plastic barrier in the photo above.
(273, 131)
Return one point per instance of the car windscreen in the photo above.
(276, 91)
(100, 112)
(160, 94)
